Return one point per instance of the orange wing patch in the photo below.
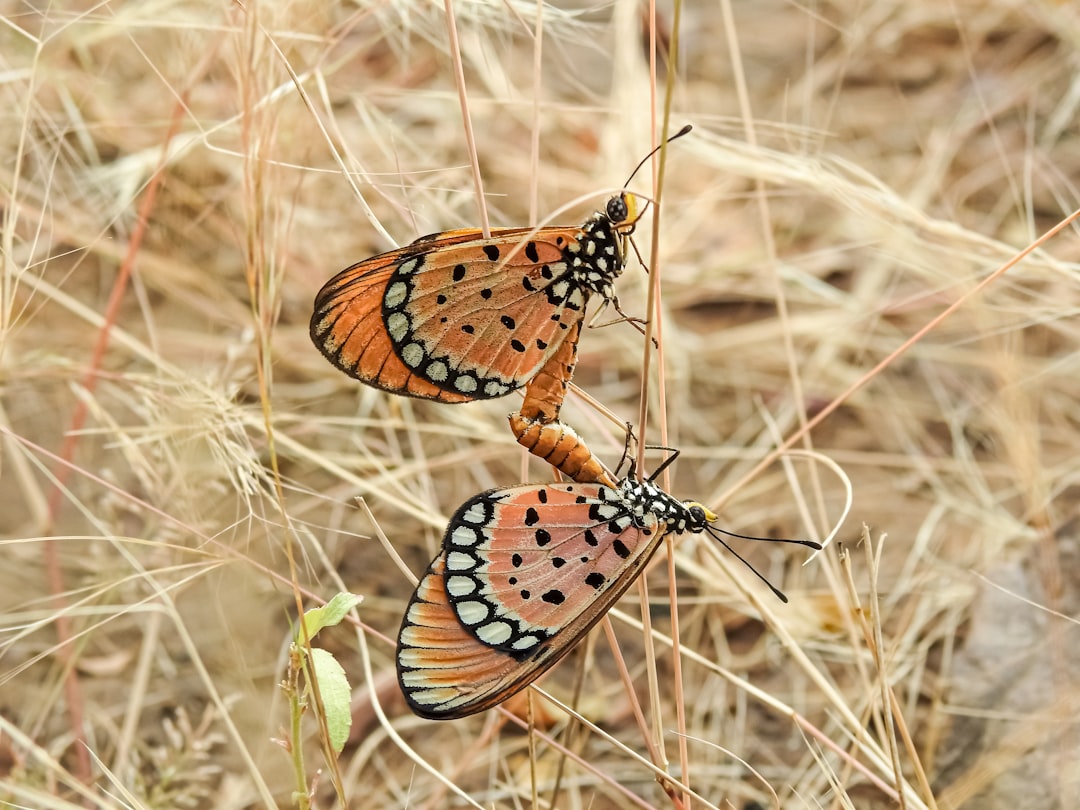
(445, 672)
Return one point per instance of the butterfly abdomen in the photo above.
(562, 448)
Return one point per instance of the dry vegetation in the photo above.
(168, 431)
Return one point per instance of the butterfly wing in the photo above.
(453, 317)
(523, 574)
(444, 671)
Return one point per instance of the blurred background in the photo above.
(172, 202)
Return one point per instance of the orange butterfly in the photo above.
(456, 317)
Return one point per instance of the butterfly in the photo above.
(457, 316)
(524, 572)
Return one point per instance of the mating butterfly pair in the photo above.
(525, 571)
(455, 317)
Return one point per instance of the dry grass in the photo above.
(167, 434)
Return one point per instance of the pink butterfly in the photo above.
(523, 574)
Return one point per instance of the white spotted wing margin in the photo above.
(523, 574)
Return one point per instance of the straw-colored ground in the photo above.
(168, 430)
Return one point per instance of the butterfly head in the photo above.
(699, 516)
(623, 212)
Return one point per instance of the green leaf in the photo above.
(335, 693)
(329, 614)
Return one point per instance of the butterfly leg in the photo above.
(633, 320)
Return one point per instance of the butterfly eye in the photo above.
(617, 209)
(698, 515)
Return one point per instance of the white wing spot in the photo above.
(495, 389)
(460, 586)
(494, 632)
(398, 326)
(475, 514)
(472, 612)
(606, 511)
(408, 268)
(437, 371)
(465, 383)
(396, 294)
(412, 355)
(464, 536)
(525, 643)
(456, 561)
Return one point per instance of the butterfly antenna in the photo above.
(678, 134)
(715, 531)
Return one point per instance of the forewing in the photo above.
(482, 317)
(445, 668)
(538, 565)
